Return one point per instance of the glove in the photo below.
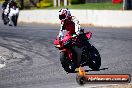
(74, 35)
(61, 37)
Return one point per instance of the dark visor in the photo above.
(62, 17)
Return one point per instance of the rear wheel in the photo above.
(94, 59)
(69, 66)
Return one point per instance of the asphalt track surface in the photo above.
(33, 61)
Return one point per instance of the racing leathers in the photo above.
(4, 5)
(13, 10)
(71, 25)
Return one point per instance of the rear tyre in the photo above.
(69, 66)
(94, 59)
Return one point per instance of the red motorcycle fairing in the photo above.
(59, 44)
(68, 52)
(66, 38)
(88, 35)
(56, 42)
(72, 57)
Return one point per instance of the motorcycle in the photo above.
(13, 15)
(5, 16)
(76, 52)
(14, 12)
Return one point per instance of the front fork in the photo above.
(68, 53)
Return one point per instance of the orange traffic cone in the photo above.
(81, 71)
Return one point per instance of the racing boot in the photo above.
(10, 24)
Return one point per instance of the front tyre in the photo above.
(14, 19)
(5, 19)
(68, 65)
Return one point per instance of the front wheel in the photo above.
(14, 19)
(69, 66)
(94, 59)
(5, 19)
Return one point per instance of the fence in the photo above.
(106, 18)
(97, 1)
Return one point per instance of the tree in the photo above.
(21, 4)
(69, 2)
(55, 3)
(34, 2)
(65, 2)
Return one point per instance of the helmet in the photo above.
(64, 13)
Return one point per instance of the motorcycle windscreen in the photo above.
(88, 35)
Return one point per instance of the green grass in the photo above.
(95, 6)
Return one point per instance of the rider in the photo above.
(68, 23)
(4, 5)
(72, 26)
(12, 4)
